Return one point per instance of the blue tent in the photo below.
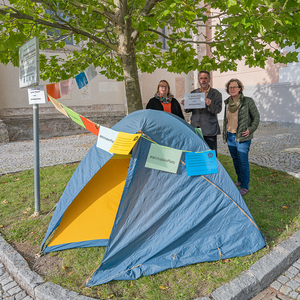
(151, 220)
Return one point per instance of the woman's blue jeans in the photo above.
(239, 153)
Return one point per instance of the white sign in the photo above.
(29, 63)
(194, 100)
(106, 138)
(36, 95)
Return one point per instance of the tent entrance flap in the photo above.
(92, 213)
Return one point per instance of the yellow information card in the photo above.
(60, 107)
(124, 143)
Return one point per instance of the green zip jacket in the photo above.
(248, 117)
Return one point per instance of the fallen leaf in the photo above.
(27, 258)
(285, 207)
(281, 220)
(6, 182)
(1, 226)
(163, 287)
(25, 212)
(70, 273)
(28, 208)
(111, 296)
(227, 260)
(17, 179)
(5, 202)
(131, 283)
(63, 267)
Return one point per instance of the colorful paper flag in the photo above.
(199, 132)
(74, 116)
(106, 138)
(90, 126)
(53, 90)
(81, 80)
(124, 143)
(163, 158)
(91, 72)
(201, 163)
(60, 107)
(66, 87)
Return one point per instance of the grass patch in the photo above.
(273, 201)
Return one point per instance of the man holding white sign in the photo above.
(206, 117)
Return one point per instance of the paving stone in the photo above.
(294, 271)
(14, 290)
(296, 265)
(297, 277)
(293, 284)
(20, 295)
(9, 286)
(285, 290)
(276, 285)
(283, 279)
(289, 275)
(6, 280)
(294, 295)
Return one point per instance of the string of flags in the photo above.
(159, 157)
(62, 88)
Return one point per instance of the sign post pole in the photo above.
(36, 159)
(29, 77)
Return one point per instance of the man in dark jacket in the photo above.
(206, 118)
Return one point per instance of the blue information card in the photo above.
(81, 80)
(201, 163)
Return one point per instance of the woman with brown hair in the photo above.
(164, 100)
(241, 119)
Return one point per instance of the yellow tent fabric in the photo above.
(92, 213)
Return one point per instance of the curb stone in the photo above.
(30, 281)
(262, 273)
(244, 287)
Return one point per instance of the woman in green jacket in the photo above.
(241, 119)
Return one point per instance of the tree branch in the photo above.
(105, 13)
(20, 16)
(145, 11)
(181, 40)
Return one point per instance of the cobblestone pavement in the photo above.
(275, 145)
(19, 156)
(9, 289)
(286, 287)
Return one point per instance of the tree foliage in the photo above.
(122, 36)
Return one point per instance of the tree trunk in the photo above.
(132, 85)
(126, 51)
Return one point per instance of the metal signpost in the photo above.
(28, 77)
